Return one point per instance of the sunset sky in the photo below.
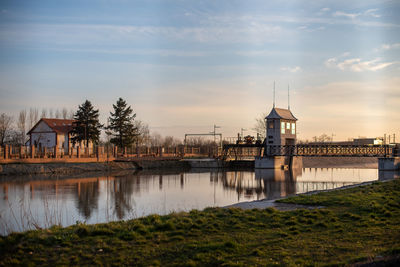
(184, 66)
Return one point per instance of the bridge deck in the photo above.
(328, 150)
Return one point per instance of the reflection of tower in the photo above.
(278, 183)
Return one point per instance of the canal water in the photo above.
(33, 202)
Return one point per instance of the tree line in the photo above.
(122, 127)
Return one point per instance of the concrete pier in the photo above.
(278, 162)
(389, 164)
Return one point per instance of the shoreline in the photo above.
(15, 169)
(358, 225)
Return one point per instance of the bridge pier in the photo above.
(389, 164)
(278, 162)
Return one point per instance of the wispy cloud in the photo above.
(357, 64)
(390, 46)
(291, 69)
(323, 11)
(347, 15)
(371, 12)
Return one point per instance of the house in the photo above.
(281, 127)
(50, 133)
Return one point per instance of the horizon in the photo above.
(186, 66)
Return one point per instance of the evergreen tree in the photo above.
(86, 126)
(121, 124)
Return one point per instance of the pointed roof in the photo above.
(57, 125)
(280, 113)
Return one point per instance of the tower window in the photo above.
(271, 125)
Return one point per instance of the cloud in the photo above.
(347, 15)
(323, 11)
(371, 12)
(291, 69)
(390, 46)
(357, 64)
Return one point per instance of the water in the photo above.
(29, 203)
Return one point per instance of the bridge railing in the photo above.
(329, 150)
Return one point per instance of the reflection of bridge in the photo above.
(239, 151)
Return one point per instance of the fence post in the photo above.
(32, 151)
(55, 151)
(6, 148)
(78, 151)
(138, 151)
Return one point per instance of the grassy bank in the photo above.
(357, 225)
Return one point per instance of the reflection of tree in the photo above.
(88, 195)
(122, 194)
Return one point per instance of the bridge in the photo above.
(240, 151)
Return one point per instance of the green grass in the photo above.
(356, 225)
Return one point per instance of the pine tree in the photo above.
(121, 124)
(86, 126)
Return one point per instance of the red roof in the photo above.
(57, 125)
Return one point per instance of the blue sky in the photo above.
(187, 65)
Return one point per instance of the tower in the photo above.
(281, 127)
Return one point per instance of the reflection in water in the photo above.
(88, 196)
(27, 203)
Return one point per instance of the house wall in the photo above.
(43, 135)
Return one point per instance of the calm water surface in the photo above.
(42, 202)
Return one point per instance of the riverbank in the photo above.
(356, 225)
(62, 168)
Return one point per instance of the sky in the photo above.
(184, 66)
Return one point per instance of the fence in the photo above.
(9, 152)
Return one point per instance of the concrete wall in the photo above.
(389, 164)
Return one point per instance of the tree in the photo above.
(64, 113)
(33, 116)
(143, 133)
(5, 127)
(86, 126)
(21, 124)
(261, 125)
(121, 124)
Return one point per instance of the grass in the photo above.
(356, 225)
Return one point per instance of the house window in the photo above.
(288, 125)
(293, 128)
(282, 127)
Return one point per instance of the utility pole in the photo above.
(215, 127)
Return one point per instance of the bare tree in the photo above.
(57, 114)
(64, 113)
(156, 139)
(5, 127)
(71, 115)
(51, 113)
(143, 137)
(33, 116)
(21, 124)
(44, 113)
(261, 125)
